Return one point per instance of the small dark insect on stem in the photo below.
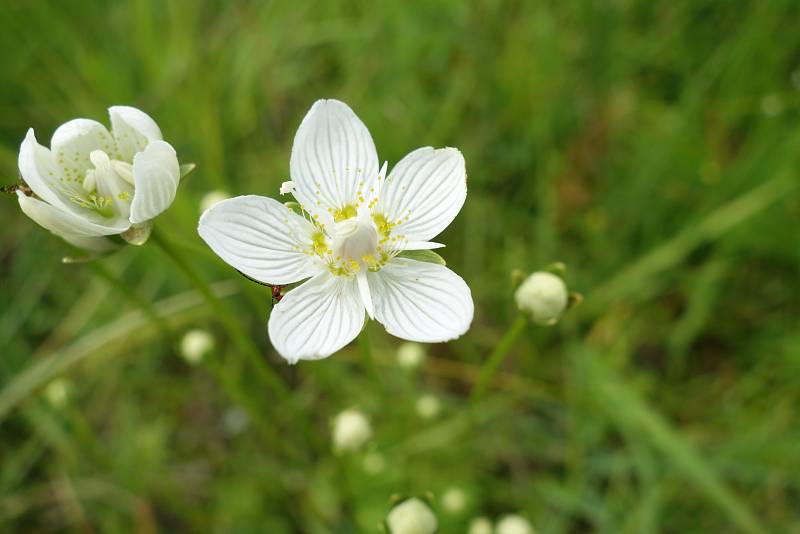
(12, 189)
(276, 289)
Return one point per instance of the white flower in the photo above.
(514, 524)
(428, 406)
(351, 429)
(411, 516)
(195, 344)
(211, 198)
(358, 221)
(410, 355)
(287, 187)
(543, 296)
(480, 525)
(454, 500)
(93, 183)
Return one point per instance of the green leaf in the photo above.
(428, 256)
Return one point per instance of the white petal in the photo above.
(39, 170)
(317, 318)
(157, 174)
(421, 301)
(421, 245)
(72, 143)
(133, 130)
(424, 192)
(260, 237)
(63, 223)
(333, 159)
(92, 244)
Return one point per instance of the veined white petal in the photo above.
(334, 163)
(73, 141)
(260, 237)
(421, 245)
(421, 301)
(156, 173)
(317, 318)
(424, 192)
(62, 222)
(39, 170)
(363, 290)
(133, 130)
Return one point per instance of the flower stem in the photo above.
(238, 336)
(365, 349)
(496, 358)
(102, 270)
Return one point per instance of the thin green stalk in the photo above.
(489, 369)
(367, 358)
(144, 305)
(237, 335)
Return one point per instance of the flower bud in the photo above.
(410, 355)
(58, 392)
(454, 500)
(543, 296)
(514, 524)
(480, 525)
(211, 198)
(411, 516)
(196, 344)
(351, 429)
(428, 406)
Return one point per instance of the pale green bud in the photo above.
(543, 297)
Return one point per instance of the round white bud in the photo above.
(454, 500)
(514, 524)
(411, 516)
(58, 392)
(351, 429)
(211, 198)
(196, 344)
(480, 525)
(543, 296)
(428, 406)
(410, 355)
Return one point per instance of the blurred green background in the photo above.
(652, 146)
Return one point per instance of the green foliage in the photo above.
(650, 146)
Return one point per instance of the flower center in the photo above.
(108, 188)
(356, 242)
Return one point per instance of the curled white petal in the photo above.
(260, 237)
(133, 130)
(65, 223)
(421, 301)
(317, 318)
(157, 174)
(39, 169)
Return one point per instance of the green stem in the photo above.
(489, 369)
(144, 305)
(237, 335)
(365, 349)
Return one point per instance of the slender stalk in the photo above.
(496, 358)
(102, 270)
(238, 336)
(367, 358)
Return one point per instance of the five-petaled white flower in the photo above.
(357, 222)
(93, 183)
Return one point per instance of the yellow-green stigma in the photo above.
(345, 212)
(100, 204)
